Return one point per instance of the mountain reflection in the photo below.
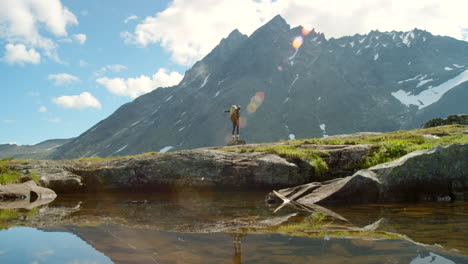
(239, 227)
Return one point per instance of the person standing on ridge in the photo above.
(235, 120)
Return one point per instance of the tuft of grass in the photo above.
(313, 222)
(8, 176)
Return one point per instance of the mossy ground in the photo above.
(8, 176)
(386, 147)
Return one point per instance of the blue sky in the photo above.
(67, 64)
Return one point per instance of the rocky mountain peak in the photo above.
(381, 81)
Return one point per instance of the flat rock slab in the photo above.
(25, 191)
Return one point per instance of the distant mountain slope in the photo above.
(38, 151)
(381, 81)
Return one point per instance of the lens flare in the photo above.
(242, 122)
(259, 97)
(306, 30)
(251, 108)
(297, 42)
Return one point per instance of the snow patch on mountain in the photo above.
(448, 68)
(52, 147)
(169, 98)
(217, 93)
(94, 128)
(431, 95)
(412, 79)
(292, 137)
(376, 56)
(458, 66)
(293, 55)
(134, 123)
(406, 38)
(293, 82)
(156, 110)
(166, 149)
(120, 149)
(324, 132)
(423, 82)
(204, 81)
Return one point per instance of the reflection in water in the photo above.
(236, 241)
(29, 245)
(210, 227)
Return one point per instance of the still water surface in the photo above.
(225, 227)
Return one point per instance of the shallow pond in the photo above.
(226, 227)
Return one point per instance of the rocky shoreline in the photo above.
(207, 167)
(432, 174)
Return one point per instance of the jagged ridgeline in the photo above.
(291, 83)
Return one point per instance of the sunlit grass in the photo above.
(385, 147)
(8, 175)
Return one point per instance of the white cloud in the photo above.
(7, 143)
(84, 100)
(189, 29)
(81, 38)
(65, 40)
(20, 55)
(62, 78)
(132, 17)
(112, 67)
(8, 121)
(134, 87)
(52, 120)
(42, 109)
(31, 93)
(115, 67)
(24, 21)
(83, 63)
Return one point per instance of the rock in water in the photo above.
(27, 190)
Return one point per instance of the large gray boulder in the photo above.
(437, 174)
(25, 191)
(432, 174)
